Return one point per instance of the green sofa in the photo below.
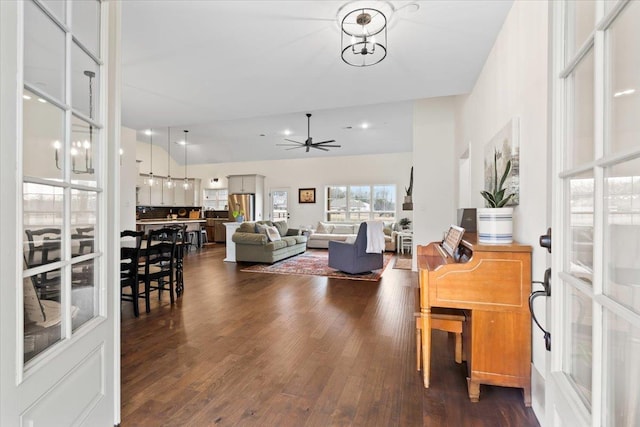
(254, 246)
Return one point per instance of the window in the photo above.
(215, 199)
(62, 174)
(360, 202)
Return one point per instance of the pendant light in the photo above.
(169, 181)
(151, 181)
(186, 180)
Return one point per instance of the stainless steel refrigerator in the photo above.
(244, 204)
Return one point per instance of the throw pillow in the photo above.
(261, 229)
(272, 234)
(282, 227)
(350, 240)
(343, 229)
(324, 228)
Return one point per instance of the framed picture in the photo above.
(306, 195)
(506, 146)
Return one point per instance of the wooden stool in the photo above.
(444, 319)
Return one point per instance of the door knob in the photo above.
(545, 240)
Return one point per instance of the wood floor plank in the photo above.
(251, 349)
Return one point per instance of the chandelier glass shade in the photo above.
(363, 37)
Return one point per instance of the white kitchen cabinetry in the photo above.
(245, 184)
(161, 195)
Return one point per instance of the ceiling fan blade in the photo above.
(319, 148)
(324, 142)
(291, 140)
(299, 146)
(327, 146)
(290, 145)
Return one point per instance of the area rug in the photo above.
(403, 263)
(315, 263)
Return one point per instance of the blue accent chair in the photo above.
(353, 258)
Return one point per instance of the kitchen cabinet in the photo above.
(161, 195)
(245, 184)
(216, 231)
(249, 184)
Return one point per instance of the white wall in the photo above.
(314, 173)
(128, 176)
(434, 168)
(513, 83)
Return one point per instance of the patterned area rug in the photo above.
(315, 263)
(403, 263)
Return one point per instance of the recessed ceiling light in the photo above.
(182, 142)
(26, 96)
(623, 93)
(364, 125)
(287, 132)
(44, 101)
(147, 132)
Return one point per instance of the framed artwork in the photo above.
(506, 145)
(306, 195)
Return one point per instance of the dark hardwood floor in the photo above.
(254, 349)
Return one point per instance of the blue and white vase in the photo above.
(495, 225)
(240, 218)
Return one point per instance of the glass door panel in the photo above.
(83, 150)
(579, 261)
(84, 292)
(44, 52)
(579, 342)
(581, 102)
(85, 26)
(622, 262)
(43, 138)
(622, 339)
(581, 18)
(624, 81)
(279, 205)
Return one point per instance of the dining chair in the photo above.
(44, 247)
(160, 263)
(130, 242)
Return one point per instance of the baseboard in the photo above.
(538, 395)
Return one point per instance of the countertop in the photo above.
(169, 221)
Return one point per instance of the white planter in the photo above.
(495, 225)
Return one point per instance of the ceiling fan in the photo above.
(323, 145)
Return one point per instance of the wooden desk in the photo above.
(494, 284)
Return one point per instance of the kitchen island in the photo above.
(192, 225)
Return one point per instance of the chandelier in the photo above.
(363, 37)
(78, 148)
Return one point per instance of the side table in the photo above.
(404, 241)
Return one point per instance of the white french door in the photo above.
(59, 133)
(595, 316)
(279, 198)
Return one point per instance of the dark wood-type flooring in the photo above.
(255, 349)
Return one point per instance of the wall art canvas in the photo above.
(506, 144)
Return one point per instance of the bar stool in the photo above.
(204, 238)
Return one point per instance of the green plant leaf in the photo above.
(504, 201)
(505, 175)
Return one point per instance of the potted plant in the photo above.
(404, 223)
(409, 190)
(495, 222)
(408, 201)
(237, 213)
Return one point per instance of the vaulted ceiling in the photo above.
(240, 75)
